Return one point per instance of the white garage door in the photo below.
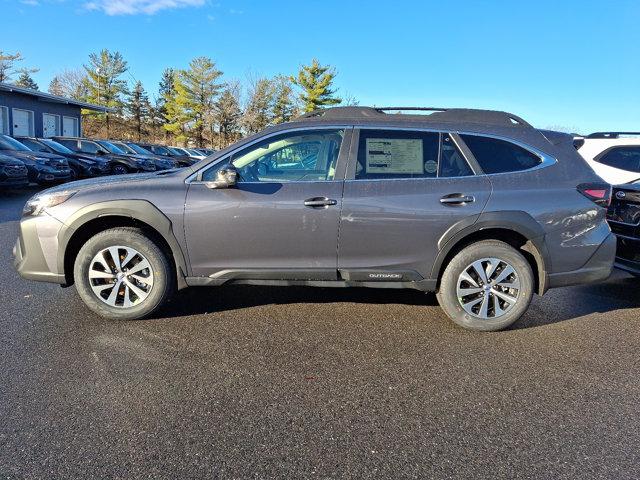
(69, 126)
(50, 125)
(22, 123)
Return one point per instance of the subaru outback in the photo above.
(478, 206)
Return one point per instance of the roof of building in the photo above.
(47, 97)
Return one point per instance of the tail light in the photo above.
(598, 193)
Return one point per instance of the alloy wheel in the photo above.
(488, 288)
(120, 276)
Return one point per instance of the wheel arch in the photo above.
(515, 228)
(98, 217)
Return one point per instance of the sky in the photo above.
(565, 64)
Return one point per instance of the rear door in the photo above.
(404, 190)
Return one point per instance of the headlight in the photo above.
(36, 204)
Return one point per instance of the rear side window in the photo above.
(397, 154)
(624, 158)
(500, 156)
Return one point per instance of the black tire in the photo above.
(164, 279)
(75, 174)
(448, 295)
(119, 169)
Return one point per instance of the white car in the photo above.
(614, 156)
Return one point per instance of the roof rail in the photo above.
(612, 134)
(438, 114)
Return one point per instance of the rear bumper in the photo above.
(35, 252)
(597, 268)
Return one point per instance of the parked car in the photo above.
(121, 163)
(614, 156)
(624, 218)
(161, 163)
(206, 151)
(190, 152)
(13, 173)
(168, 152)
(82, 165)
(478, 206)
(42, 168)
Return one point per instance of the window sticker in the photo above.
(392, 155)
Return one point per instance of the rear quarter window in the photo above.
(500, 156)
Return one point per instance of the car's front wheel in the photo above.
(122, 274)
(119, 169)
(487, 286)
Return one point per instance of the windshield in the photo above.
(8, 143)
(56, 146)
(111, 148)
(138, 149)
(124, 147)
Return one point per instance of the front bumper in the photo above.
(49, 175)
(598, 268)
(36, 250)
(628, 255)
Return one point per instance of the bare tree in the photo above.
(258, 112)
(7, 62)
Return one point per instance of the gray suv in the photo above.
(475, 205)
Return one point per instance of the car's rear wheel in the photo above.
(123, 275)
(487, 286)
(119, 169)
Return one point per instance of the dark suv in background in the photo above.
(161, 163)
(13, 173)
(43, 168)
(82, 165)
(183, 160)
(120, 162)
(478, 206)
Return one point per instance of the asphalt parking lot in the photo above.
(241, 382)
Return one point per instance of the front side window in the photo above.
(291, 157)
(89, 147)
(500, 156)
(624, 158)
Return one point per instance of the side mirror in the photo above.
(226, 177)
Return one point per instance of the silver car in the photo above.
(475, 205)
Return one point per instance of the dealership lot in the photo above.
(271, 382)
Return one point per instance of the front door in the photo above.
(22, 123)
(281, 220)
(403, 191)
(50, 125)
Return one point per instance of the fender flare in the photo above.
(514, 220)
(141, 210)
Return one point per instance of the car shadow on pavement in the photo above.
(12, 201)
(199, 300)
(559, 305)
(620, 292)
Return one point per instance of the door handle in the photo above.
(457, 199)
(319, 202)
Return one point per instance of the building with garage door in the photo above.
(26, 112)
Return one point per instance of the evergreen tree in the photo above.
(227, 114)
(25, 80)
(167, 92)
(178, 110)
(315, 82)
(104, 85)
(258, 112)
(138, 108)
(197, 89)
(7, 61)
(284, 105)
